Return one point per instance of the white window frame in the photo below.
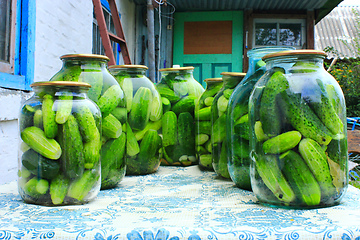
(278, 21)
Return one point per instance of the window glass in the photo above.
(266, 34)
(290, 34)
(5, 26)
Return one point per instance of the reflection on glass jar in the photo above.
(179, 92)
(203, 123)
(143, 113)
(107, 94)
(59, 155)
(298, 140)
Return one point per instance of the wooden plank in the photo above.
(353, 141)
(103, 31)
(310, 29)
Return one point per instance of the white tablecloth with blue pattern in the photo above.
(175, 203)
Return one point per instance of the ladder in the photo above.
(107, 36)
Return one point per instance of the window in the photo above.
(279, 32)
(17, 43)
(97, 47)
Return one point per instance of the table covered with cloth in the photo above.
(175, 203)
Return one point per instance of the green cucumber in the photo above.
(218, 132)
(92, 152)
(80, 187)
(140, 112)
(120, 113)
(132, 145)
(95, 79)
(151, 125)
(203, 114)
(39, 165)
(112, 155)
(169, 128)
(110, 99)
(186, 133)
(148, 159)
(38, 119)
(72, 159)
(87, 123)
(50, 125)
(127, 86)
(186, 104)
(58, 189)
(156, 110)
(168, 93)
(35, 138)
(166, 104)
(63, 108)
(111, 126)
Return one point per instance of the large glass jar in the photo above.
(179, 91)
(144, 113)
(298, 140)
(237, 126)
(105, 91)
(59, 155)
(203, 123)
(218, 122)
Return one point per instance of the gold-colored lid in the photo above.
(295, 52)
(89, 56)
(128, 66)
(176, 69)
(61, 83)
(213, 80)
(234, 74)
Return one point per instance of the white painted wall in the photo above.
(62, 27)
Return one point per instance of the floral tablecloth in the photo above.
(175, 203)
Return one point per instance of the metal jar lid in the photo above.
(88, 56)
(295, 52)
(61, 84)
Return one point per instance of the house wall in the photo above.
(62, 27)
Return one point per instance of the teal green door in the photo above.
(212, 42)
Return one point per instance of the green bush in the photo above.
(347, 74)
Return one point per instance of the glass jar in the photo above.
(203, 123)
(298, 140)
(144, 112)
(237, 118)
(59, 155)
(105, 91)
(218, 122)
(179, 91)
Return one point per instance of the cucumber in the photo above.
(38, 119)
(270, 116)
(92, 152)
(303, 119)
(63, 108)
(127, 86)
(36, 187)
(282, 143)
(156, 110)
(204, 127)
(169, 128)
(72, 159)
(120, 113)
(186, 104)
(80, 187)
(110, 99)
(186, 133)
(148, 159)
(111, 127)
(218, 132)
(112, 155)
(165, 104)
(300, 178)
(58, 189)
(151, 125)
(140, 113)
(87, 123)
(35, 138)
(168, 93)
(39, 165)
(132, 146)
(50, 125)
(203, 114)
